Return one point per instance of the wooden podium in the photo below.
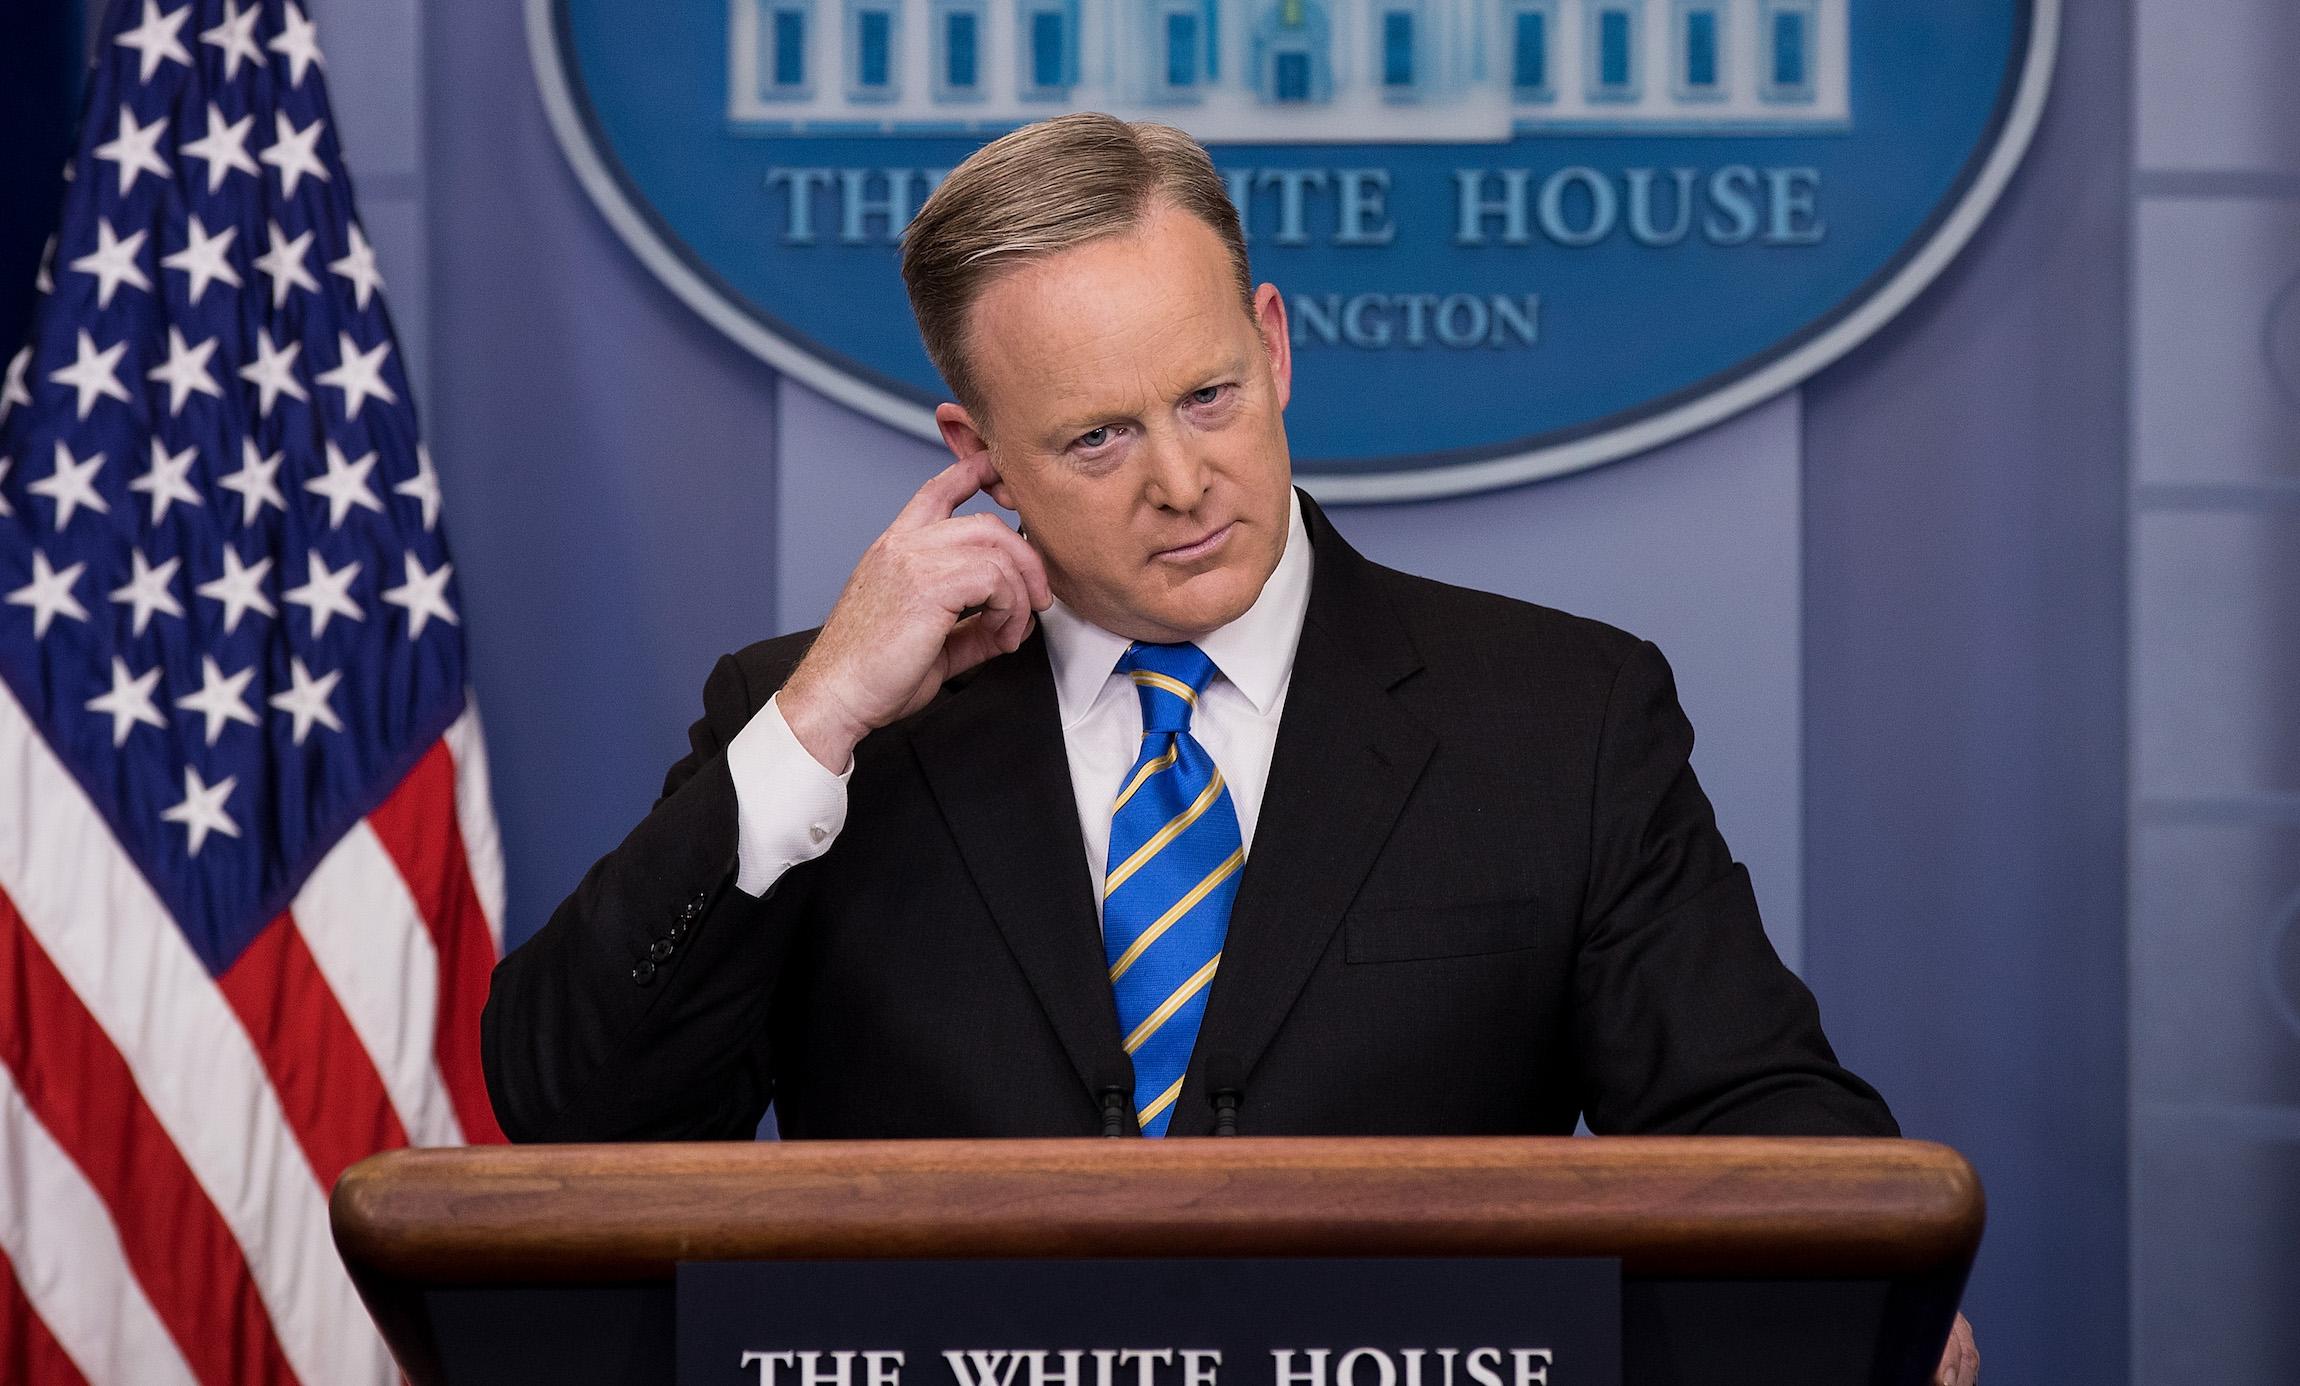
(1743, 1260)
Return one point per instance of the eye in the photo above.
(1206, 394)
(1094, 437)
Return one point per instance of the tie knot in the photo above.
(1168, 680)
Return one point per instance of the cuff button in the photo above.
(660, 950)
(644, 973)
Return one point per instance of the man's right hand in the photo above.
(900, 628)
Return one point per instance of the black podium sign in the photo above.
(1302, 1322)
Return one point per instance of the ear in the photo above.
(1277, 343)
(966, 441)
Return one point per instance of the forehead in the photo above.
(1119, 322)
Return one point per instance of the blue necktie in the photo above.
(1175, 855)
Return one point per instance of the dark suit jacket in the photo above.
(1486, 895)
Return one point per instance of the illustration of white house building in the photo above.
(1291, 71)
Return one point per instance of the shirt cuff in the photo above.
(789, 809)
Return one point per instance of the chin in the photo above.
(1194, 613)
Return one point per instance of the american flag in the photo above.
(250, 888)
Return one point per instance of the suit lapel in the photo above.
(1347, 757)
(992, 754)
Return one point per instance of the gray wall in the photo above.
(1965, 477)
(2215, 680)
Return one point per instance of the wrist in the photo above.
(820, 723)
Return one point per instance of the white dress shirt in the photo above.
(790, 808)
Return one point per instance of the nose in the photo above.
(1177, 477)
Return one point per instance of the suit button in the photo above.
(691, 909)
(678, 931)
(644, 972)
(660, 950)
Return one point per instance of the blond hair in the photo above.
(1041, 190)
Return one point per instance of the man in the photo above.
(1174, 810)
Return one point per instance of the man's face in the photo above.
(1135, 412)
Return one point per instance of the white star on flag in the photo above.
(113, 263)
(44, 278)
(147, 590)
(306, 700)
(295, 153)
(345, 485)
(166, 481)
(135, 150)
(71, 485)
(298, 39)
(220, 699)
(358, 374)
(273, 372)
(205, 258)
(185, 370)
(202, 810)
(223, 148)
(359, 267)
(12, 391)
(129, 703)
(157, 39)
(94, 373)
(424, 595)
(49, 593)
(5, 464)
(240, 589)
(284, 263)
(423, 486)
(237, 37)
(327, 593)
(257, 481)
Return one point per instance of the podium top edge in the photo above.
(1729, 1206)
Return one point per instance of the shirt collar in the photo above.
(1254, 652)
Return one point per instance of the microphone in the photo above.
(1228, 1089)
(1115, 1093)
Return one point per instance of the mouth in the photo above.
(1197, 548)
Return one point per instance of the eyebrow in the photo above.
(1074, 425)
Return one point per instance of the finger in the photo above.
(984, 578)
(971, 642)
(1010, 607)
(1031, 565)
(1952, 1358)
(945, 492)
(1960, 1361)
(995, 532)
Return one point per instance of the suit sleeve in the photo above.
(1685, 1019)
(640, 1010)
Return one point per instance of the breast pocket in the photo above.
(1409, 932)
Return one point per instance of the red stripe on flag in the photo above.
(326, 1081)
(183, 1254)
(418, 827)
(29, 1353)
